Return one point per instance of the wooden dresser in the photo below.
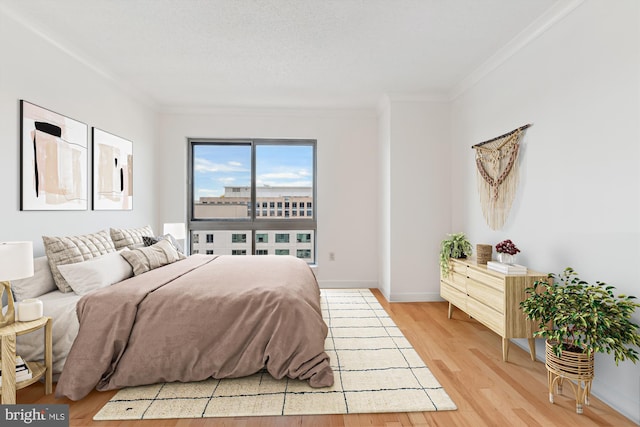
(491, 298)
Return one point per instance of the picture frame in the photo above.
(53, 160)
(112, 171)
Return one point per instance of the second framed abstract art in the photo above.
(112, 171)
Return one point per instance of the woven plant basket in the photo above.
(483, 253)
(578, 368)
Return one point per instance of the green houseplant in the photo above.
(456, 246)
(578, 316)
(578, 319)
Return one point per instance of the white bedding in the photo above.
(62, 308)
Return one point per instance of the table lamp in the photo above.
(16, 262)
(176, 229)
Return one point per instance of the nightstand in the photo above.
(8, 355)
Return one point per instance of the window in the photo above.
(282, 238)
(303, 238)
(240, 187)
(239, 252)
(262, 252)
(195, 238)
(209, 252)
(303, 253)
(238, 238)
(282, 251)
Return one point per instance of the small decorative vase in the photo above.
(506, 258)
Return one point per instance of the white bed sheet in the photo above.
(62, 308)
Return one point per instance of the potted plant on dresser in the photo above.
(578, 319)
(456, 246)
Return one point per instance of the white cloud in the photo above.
(204, 165)
(204, 192)
(261, 183)
(279, 175)
(285, 177)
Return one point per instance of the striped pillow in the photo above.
(154, 256)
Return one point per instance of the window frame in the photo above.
(254, 222)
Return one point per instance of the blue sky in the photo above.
(217, 166)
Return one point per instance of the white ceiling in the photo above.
(200, 53)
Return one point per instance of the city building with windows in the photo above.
(271, 202)
(280, 202)
(298, 243)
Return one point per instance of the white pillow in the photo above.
(96, 273)
(39, 284)
(70, 249)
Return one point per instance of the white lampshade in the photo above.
(16, 260)
(176, 229)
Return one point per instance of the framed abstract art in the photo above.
(112, 171)
(53, 156)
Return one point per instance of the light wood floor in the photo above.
(462, 354)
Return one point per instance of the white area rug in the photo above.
(376, 370)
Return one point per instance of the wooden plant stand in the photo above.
(578, 368)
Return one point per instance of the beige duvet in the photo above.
(205, 316)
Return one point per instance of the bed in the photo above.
(199, 317)
(62, 308)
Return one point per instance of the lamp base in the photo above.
(10, 316)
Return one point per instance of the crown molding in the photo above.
(355, 112)
(430, 97)
(553, 15)
(89, 63)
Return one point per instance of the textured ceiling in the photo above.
(197, 53)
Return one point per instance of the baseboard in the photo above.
(370, 284)
(347, 284)
(414, 297)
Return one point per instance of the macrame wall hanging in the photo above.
(498, 175)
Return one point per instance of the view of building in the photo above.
(281, 202)
(271, 202)
(298, 243)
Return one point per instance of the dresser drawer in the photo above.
(486, 294)
(457, 280)
(459, 267)
(486, 278)
(453, 295)
(486, 315)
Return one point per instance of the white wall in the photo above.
(579, 195)
(384, 202)
(415, 156)
(37, 71)
(347, 196)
